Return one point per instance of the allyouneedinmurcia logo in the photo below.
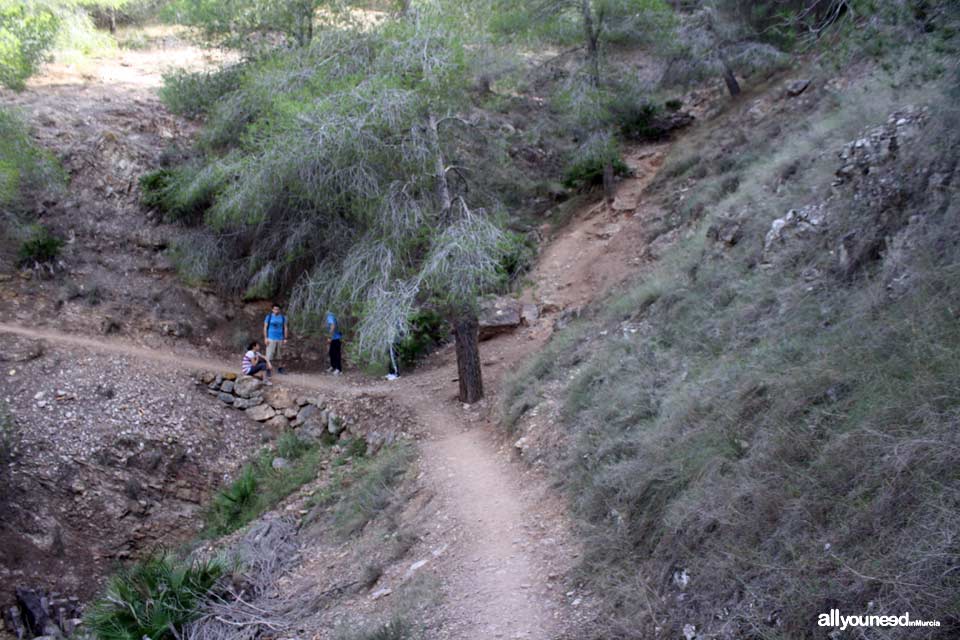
(835, 619)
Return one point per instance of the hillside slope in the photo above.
(762, 426)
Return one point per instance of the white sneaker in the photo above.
(268, 383)
(391, 376)
(337, 372)
(329, 369)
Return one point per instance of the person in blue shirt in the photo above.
(274, 335)
(334, 339)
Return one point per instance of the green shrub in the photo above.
(25, 170)
(185, 193)
(259, 487)
(428, 329)
(634, 118)
(27, 33)
(395, 629)
(40, 247)
(193, 93)
(153, 599)
(517, 253)
(589, 171)
(370, 488)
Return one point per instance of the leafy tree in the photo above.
(720, 38)
(593, 25)
(27, 32)
(359, 181)
(250, 23)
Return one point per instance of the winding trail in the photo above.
(497, 583)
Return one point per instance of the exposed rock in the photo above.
(34, 609)
(280, 463)
(548, 306)
(291, 413)
(261, 413)
(726, 231)
(305, 414)
(225, 398)
(796, 87)
(227, 386)
(498, 315)
(314, 427)
(279, 398)
(230, 376)
(246, 403)
(380, 593)
(797, 223)
(277, 424)
(246, 386)
(335, 424)
(207, 377)
(529, 314)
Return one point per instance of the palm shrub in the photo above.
(154, 598)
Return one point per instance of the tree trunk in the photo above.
(113, 21)
(732, 85)
(440, 169)
(609, 189)
(593, 45)
(466, 329)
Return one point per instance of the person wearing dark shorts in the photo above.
(254, 364)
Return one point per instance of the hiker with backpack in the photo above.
(275, 335)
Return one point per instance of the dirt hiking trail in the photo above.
(514, 542)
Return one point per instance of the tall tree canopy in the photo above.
(356, 175)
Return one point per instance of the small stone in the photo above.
(290, 413)
(225, 398)
(797, 87)
(280, 463)
(227, 386)
(380, 593)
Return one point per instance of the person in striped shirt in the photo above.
(255, 364)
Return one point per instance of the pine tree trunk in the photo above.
(728, 77)
(609, 189)
(466, 329)
(593, 44)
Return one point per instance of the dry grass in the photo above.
(791, 444)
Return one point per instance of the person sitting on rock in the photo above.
(255, 364)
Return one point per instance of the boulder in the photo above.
(277, 424)
(279, 398)
(291, 413)
(335, 424)
(246, 386)
(207, 377)
(261, 412)
(227, 386)
(796, 87)
(225, 398)
(314, 427)
(529, 314)
(498, 315)
(305, 414)
(246, 403)
(34, 608)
